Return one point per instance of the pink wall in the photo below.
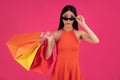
(97, 62)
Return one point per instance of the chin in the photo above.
(68, 25)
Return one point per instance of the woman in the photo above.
(67, 39)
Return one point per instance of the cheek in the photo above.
(72, 22)
(63, 21)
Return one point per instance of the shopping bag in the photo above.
(40, 64)
(24, 47)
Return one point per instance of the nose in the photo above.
(68, 20)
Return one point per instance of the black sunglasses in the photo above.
(65, 18)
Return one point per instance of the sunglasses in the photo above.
(65, 18)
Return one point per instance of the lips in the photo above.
(67, 23)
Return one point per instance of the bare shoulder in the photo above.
(79, 34)
(56, 32)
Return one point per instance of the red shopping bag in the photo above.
(40, 64)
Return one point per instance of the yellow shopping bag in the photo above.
(24, 47)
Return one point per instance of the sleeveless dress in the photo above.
(67, 61)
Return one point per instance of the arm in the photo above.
(51, 43)
(90, 35)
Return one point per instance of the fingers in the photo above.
(42, 34)
(80, 18)
(42, 37)
(45, 35)
(48, 34)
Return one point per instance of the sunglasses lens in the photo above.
(65, 18)
(72, 18)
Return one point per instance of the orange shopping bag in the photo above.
(28, 51)
(24, 47)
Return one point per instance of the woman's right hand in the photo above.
(47, 35)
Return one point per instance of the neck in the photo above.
(67, 28)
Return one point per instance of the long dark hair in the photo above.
(65, 9)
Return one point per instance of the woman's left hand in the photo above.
(81, 20)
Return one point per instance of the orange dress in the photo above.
(67, 61)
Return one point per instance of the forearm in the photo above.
(90, 33)
(48, 50)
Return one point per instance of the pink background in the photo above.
(97, 62)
